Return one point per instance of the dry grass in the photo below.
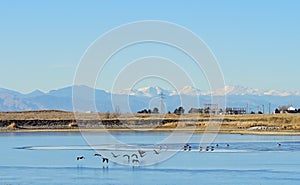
(283, 121)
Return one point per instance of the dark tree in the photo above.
(143, 112)
(155, 110)
(179, 111)
(277, 111)
(207, 110)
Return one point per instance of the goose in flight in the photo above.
(80, 158)
(134, 155)
(135, 161)
(156, 152)
(104, 160)
(142, 153)
(128, 157)
(114, 155)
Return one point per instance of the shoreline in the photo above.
(158, 130)
(60, 121)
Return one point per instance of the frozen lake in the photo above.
(50, 158)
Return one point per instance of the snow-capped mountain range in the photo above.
(133, 100)
(192, 91)
(239, 90)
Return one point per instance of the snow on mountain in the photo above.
(189, 90)
(146, 91)
(154, 91)
(237, 90)
(61, 99)
(277, 93)
(242, 91)
(192, 91)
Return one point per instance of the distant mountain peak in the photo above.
(145, 91)
(35, 93)
(241, 91)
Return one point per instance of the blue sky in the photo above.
(256, 43)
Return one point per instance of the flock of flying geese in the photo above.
(134, 158)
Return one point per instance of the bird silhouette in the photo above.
(134, 155)
(114, 155)
(160, 147)
(80, 158)
(200, 149)
(128, 157)
(142, 153)
(135, 161)
(187, 147)
(156, 152)
(104, 160)
(278, 144)
(207, 148)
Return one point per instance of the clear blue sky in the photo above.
(257, 43)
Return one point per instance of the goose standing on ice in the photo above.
(200, 149)
(278, 144)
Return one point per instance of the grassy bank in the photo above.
(66, 121)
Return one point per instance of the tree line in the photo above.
(180, 110)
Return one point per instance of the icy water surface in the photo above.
(50, 158)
